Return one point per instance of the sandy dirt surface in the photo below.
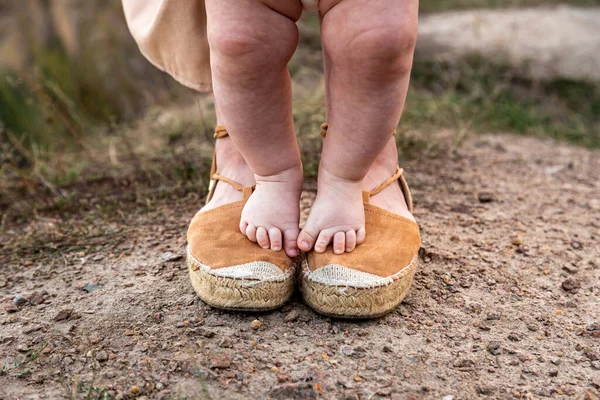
(542, 42)
(506, 303)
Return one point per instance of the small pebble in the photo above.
(102, 356)
(571, 285)
(32, 328)
(485, 197)
(255, 324)
(494, 347)
(347, 351)
(485, 389)
(22, 348)
(220, 361)
(170, 257)
(91, 287)
(576, 245)
(517, 240)
(514, 337)
(544, 393)
(11, 308)
(571, 269)
(63, 314)
(291, 316)
(464, 363)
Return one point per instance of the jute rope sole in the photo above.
(235, 294)
(356, 303)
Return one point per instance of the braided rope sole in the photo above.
(356, 303)
(235, 294)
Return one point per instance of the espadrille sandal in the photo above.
(227, 270)
(374, 278)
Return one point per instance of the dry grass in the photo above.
(66, 138)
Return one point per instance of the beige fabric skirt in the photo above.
(171, 34)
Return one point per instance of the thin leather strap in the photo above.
(325, 126)
(221, 132)
(388, 182)
(237, 186)
(398, 176)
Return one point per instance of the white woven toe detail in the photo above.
(252, 272)
(310, 5)
(338, 275)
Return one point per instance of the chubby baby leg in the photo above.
(251, 42)
(368, 49)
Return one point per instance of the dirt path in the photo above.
(506, 303)
(542, 42)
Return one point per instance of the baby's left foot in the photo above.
(337, 215)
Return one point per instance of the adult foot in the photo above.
(231, 165)
(391, 198)
(272, 214)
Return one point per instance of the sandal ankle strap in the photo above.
(398, 176)
(221, 132)
(388, 182)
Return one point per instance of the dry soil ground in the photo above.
(506, 303)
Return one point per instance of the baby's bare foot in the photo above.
(338, 211)
(337, 216)
(272, 213)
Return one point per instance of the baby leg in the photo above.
(368, 47)
(251, 42)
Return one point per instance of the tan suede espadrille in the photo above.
(374, 278)
(227, 270)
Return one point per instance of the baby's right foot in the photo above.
(272, 214)
(337, 216)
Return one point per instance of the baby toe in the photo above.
(339, 242)
(350, 240)
(251, 232)
(307, 237)
(275, 239)
(262, 237)
(323, 240)
(290, 238)
(360, 235)
(243, 226)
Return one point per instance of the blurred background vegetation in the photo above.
(82, 113)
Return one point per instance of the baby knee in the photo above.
(382, 50)
(251, 46)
